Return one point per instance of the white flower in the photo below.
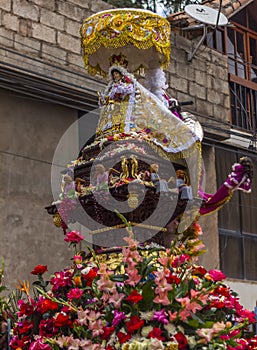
(146, 330)
(170, 328)
(156, 344)
(147, 316)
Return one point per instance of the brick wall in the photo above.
(46, 30)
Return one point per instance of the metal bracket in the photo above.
(191, 54)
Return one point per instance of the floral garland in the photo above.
(150, 301)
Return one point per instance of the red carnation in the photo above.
(62, 320)
(107, 332)
(182, 341)
(156, 333)
(173, 278)
(109, 347)
(134, 324)
(199, 271)
(39, 270)
(89, 277)
(47, 305)
(123, 338)
(73, 237)
(134, 297)
(217, 275)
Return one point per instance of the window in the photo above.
(237, 222)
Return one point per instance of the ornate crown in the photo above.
(119, 60)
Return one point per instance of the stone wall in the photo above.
(204, 81)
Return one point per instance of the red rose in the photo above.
(156, 333)
(134, 297)
(182, 341)
(134, 324)
(123, 337)
(39, 270)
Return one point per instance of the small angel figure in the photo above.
(185, 190)
(161, 184)
(102, 178)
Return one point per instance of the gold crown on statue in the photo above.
(119, 60)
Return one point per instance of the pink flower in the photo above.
(118, 317)
(73, 237)
(116, 298)
(180, 260)
(77, 259)
(161, 316)
(162, 298)
(74, 293)
(206, 334)
(39, 345)
(61, 279)
(217, 275)
(173, 315)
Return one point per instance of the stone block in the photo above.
(221, 73)
(204, 107)
(83, 3)
(199, 64)
(183, 43)
(97, 6)
(42, 32)
(221, 86)
(48, 4)
(25, 9)
(5, 5)
(179, 84)
(197, 90)
(214, 96)
(10, 22)
(6, 37)
(72, 27)
(68, 10)
(69, 43)
(222, 113)
(185, 71)
(75, 61)
(52, 19)
(204, 52)
(226, 101)
(25, 27)
(24, 44)
(181, 97)
(219, 59)
(54, 54)
(200, 78)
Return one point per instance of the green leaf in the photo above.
(148, 296)
(118, 278)
(193, 323)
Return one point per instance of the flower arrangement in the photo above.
(154, 299)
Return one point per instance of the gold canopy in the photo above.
(142, 36)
